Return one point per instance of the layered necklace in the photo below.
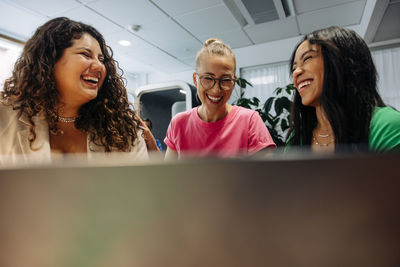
(325, 141)
(65, 119)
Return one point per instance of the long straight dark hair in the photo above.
(349, 93)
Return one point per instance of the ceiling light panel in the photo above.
(124, 42)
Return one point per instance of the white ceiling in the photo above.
(172, 31)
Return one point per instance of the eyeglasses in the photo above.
(224, 83)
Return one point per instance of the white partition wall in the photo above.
(155, 101)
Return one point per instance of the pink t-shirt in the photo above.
(241, 132)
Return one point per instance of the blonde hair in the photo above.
(215, 47)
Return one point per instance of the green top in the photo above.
(384, 129)
(384, 132)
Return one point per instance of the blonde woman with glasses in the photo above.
(216, 128)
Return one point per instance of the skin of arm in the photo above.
(171, 154)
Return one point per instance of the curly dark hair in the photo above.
(108, 119)
(349, 93)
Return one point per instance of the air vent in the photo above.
(389, 26)
(261, 11)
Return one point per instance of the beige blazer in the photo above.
(14, 142)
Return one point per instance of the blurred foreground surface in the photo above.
(300, 211)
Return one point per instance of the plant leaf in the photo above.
(270, 121)
(255, 101)
(268, 104)
(284, 125)
(278, 90)
(243, 102)
(278, 106)
(243, 82)
(286, 103)
(278, 140)
(290, 88)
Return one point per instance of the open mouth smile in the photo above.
(304, 84)
(91, 80)
(214, 99)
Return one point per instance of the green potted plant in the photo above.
(275, 112)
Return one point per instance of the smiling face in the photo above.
(80, 71)
(218, 67)
(308, 73)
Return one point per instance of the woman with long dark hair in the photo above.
(336, 104)
(65, 95)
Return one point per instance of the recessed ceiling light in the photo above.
(124, 43)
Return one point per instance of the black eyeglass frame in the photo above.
(215, 80)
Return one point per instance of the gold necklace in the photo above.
(323, 135)
(67, 119)
(317, 142)
(319, 130)
(64, 119)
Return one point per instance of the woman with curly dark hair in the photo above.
(66, 96)
(336, 104)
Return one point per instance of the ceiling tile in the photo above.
(137, 44)
(208, 21)
(234, 38)
(173, 66)
(177, 46)
(128, 12)
(183, 48)
(390, 25)
(176, 8)
(23, 31)
(342, 15)
(87, 1)
(87, 16)
(191, 61)
(159, 60)
(48, 7)
(302, 6)
(148, 54)
(272, 31)
(130, 64)
(171, 37)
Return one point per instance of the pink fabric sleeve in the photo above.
(169, 139)
(259, 136)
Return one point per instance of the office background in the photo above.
(157, 40)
